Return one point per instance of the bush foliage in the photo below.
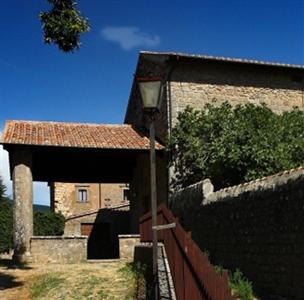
(48, 223)
(231, 145)
(64, 24)
(6, 225)
(45, 223)
(241, 286)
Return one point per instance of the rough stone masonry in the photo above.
(257, 227)
(23, 203)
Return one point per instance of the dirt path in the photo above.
(101, 280)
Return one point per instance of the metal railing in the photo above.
(193, 275)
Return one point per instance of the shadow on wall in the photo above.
(103, 240)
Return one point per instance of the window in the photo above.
(83, 195)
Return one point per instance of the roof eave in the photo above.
(223, 59)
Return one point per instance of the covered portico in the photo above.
(75, 152)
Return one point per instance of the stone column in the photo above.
(23, 203)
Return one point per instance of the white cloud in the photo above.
(129, 37)
(40, 189)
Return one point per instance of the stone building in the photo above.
(99, 211)
(72, 199)
(69, 152)
(80, 203)
(195, 80)
(192, 80)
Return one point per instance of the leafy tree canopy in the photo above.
(48, 223)
(234, 145)
(6, 220)
(63, 25)
(45, 223)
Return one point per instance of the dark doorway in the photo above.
(99, 240)
(103, 234)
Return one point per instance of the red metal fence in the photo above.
(193, 275)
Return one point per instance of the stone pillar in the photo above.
(23, 203)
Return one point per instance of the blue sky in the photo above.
(38, 82)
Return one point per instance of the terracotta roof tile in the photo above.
(79, 135)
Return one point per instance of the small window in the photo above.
(83, 195)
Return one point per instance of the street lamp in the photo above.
(151, 94)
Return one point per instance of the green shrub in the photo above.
(6, 225)
(219, 269)
(45, 223)
(48, 223)
(241, 286)
(231, 145)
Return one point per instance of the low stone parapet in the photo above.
(58, 249)
(127, 243)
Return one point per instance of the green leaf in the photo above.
(231, 145)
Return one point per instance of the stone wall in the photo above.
(134, 114)
(100, 195)
(196, 84)
(73, 226)
(55, 249)
(257, 227)
(127, 243)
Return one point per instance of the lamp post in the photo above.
(151, 94)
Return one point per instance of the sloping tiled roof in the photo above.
(79, 135)
(224, 59)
